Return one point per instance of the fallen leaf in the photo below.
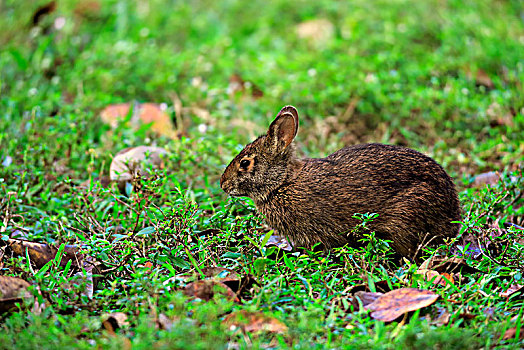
(207, 289)
(280, 242)
(254, 322)
(481, 77)
(447, 264)
(8, 160)
(365, 298)
(13, 290)
(142, 113)
(435, 277)
(443, 317)
(512, 290)
(489, 178)
(394, 304)
(103, 180)
(136, 160)
(165, 322)
(237, 84)
(230, 278)
(88, 8)
(41, 253)
(317, 31)
(114, 321)
(220, 272)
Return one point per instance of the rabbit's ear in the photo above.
(293, 111)
(282, 130)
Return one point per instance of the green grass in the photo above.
(407, 67)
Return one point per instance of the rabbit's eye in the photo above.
(244, 164)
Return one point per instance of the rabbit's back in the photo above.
(412, 194)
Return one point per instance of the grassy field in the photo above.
(444, 77)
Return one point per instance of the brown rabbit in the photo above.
(314, 200)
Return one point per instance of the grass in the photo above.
(443, 77)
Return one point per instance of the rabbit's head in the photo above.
(264, 164)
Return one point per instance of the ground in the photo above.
(443, 77)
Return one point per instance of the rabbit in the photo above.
(314, 200)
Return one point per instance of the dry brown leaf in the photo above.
(105, 182)
(12, 290)
(481, 77)
(230, 278)
(280, 242)
(512, 290)
(114, 321)
(489, 178)
(394, 304)
(317, 31)
(367, 297)
(443, 317)
(88, 8)
(142, 113)
(447, 264)
(207, 289)
(220, 273)
(165, 322)
(238, 84)
(435, 277)
(40, 253)
(364, 298)
(129, 162)
(511, 333)
(254, 322)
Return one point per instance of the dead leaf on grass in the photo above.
(481, 77)
(114, 321)
(394, 304)
(13, 290)
(88, 9)
(280, 242)
(512, 290)
(317, 31)
(365, 298)
(489, 178)
(165, 322)
(511, 333)
(230, 278)
(207, 289)
(41, 253)
(238, 85)
(254, 322)
(447, 264)
(443, 317)
(435, 277)
(144, 113)
(136, 160)
(103, 180)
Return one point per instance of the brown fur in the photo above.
(314, 200)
